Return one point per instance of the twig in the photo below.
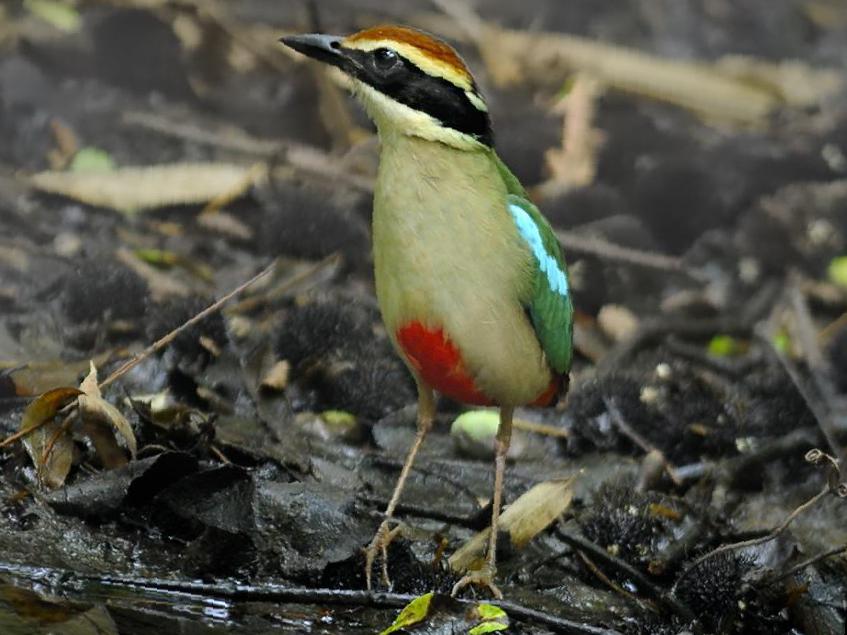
(54, 438)
(652, 331)
(300, 156)
(617, 588)
(806, 335)
(296, 595)
(30, 429)
(646, 587)
(159, 344)
(754, 541)
(734, 367)
(731, 470)
(436, 474)
(819, 410)
(633, 435)
(407, 509)
(232, 139)
(249, 304)
(539, 428)
(574, 242)
(574, 164)
(812, 560)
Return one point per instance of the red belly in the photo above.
(439, 364)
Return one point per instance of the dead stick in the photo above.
(593, 246)
(539, 428)
(280, 594)
(754, 541)
(645, 586)
(818, 410)
(159, 344)
(629, 432)
(814, 559)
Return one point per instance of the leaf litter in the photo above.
(259, 444)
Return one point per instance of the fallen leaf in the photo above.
(134, 189)
(492, 619)
(92, 160)
(44, 435)
(413, 613)
(44, 407)
(445, 614)
(166, 259)
(60, 14)
(33, 378)
(837, 271)
(226, 224)
(277, 377)
(524, 519)
(162, 284)
(618, 322)
(96, 411)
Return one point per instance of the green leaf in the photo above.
(782, 343)
(413, 613)
(488, 627)
(339, 418)
(837, 271)
(48, 444)
(722, 346)
(92, 160)
(478, 425)
(492, 619)
(161, 258)
(61, 15)
(490, 612)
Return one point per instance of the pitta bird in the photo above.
(470, 278)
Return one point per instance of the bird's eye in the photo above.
(385, 59)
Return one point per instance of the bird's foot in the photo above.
(379, 545)
(483, 577)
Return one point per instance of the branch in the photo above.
(159, 344)
(594, 246)
(646, 587)
(296, 595)
(754, 541)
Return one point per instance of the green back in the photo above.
(550, 306)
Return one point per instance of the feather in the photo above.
(550, 305)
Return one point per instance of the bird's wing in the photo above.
(549, 306)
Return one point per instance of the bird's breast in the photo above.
(452, 274)
(440, 364)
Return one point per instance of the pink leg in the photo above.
(485, 576)
(384, 535)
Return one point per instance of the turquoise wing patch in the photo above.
(550, 306)
(557, 279)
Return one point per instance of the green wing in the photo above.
(550, 305)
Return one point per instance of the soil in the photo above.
(706, 401)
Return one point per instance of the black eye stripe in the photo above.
(409, 85)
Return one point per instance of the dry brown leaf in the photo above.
(134, 189)
(161, 283)
(698, 87)
(618, 322)
(96, 411)
(574, 164)
(277, 376)
(513, 57)
(226, 224)
(524, 519)
(48, 445)
(34, 378)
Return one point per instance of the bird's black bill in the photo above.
(324, 48)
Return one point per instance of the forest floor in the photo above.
(156, 154)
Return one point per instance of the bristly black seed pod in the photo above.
(713, 587)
